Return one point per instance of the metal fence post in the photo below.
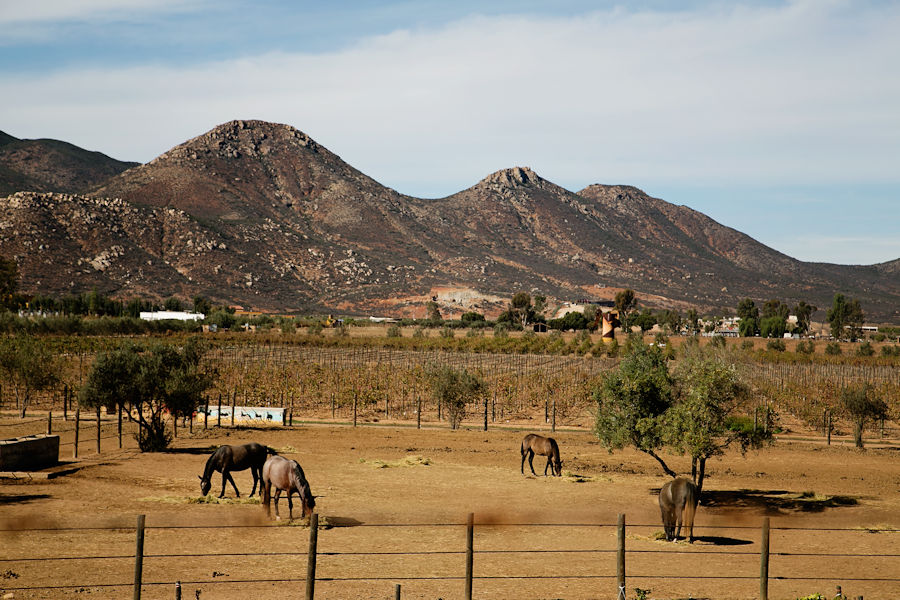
(620, 559)
(139, 558)
(98, 429)
(764, 562)
(50, 423)
(470, 536)
(119, 426)
(77, 423)
(311, 561)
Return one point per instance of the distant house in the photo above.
(171, 315)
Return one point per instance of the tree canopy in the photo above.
(9, 281)
(147, 384)
(845, 317)
(694, 410)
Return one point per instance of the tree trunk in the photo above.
(701, 476)
(662, 463)
(857, 432)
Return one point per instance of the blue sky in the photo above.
(780, 119)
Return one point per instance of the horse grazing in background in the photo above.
(678, 501)
(286, 476)
(545, 446)
(235, 458)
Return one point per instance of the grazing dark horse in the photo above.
(286, 476)
(545, 446)
(678, 502)
(235, 458)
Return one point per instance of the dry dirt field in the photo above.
(393, 501)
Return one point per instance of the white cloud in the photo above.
(802, 93)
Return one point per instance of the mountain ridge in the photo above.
(303, 230)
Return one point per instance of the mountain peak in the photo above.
(514, 177)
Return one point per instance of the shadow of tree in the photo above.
(774, 502)
(193, 450)
(21, 498)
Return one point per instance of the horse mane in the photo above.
(210, 467)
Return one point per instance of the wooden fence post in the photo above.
(354, 407)
(139, 558)
(66, 402)
(206, 415)
(98, 429)
(620, 559)
(553, 421)
(485, 411)
(50, 422)
(177, 590)
(418, 412)
(219, 414)
(764, 562)
(119, 426)
(233, 404)
(470, 546)
(311, 561)
(77, 423)
(397, 591)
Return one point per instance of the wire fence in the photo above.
(473, 557)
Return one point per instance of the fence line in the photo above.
(621, 556)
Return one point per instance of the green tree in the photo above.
(692, 322)
(174, 304)
(632, 400)
(748, 314)
(433, 311)
(772, 327)
(845, 317)
(804, 312)
(147, 384)
(202, 305)
(454, 389)
(29, 365)
(863, 406)
(645, 320)
(625, 303)
(9, 281)
(702, 422)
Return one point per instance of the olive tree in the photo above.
(704, 421)
(863, 406)
(632, 400)
(147, 384)
(454, 389)
(29, 366)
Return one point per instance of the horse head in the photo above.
(557, 467)
(205, 484)
(307, 500)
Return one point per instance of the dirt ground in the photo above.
(393, 502)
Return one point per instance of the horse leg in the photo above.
(265, 488)
(226, 475)
(522, 469)
(531, 461)
(277, 496)
(256, 476)
(290, 505)
(679, 515)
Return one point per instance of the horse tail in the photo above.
(690, 509)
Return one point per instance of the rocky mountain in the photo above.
(52, 166)
(261, 215)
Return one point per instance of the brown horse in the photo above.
(678, 503)
(545, 446)
(286, 475)
(235, 458)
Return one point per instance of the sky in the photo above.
(780, 119)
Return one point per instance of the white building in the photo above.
(176, 315)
